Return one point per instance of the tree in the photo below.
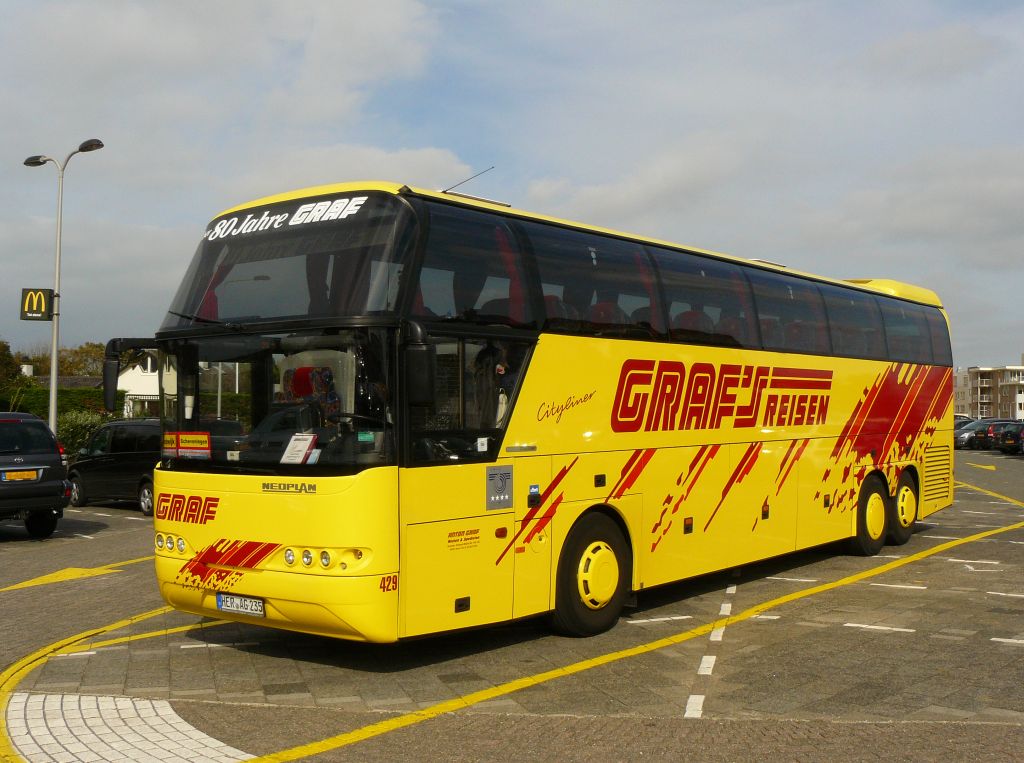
(84, 360)
(10, 369)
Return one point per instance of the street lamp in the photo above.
(93, 144)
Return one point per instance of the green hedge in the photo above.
(75, 428)
(37, 400)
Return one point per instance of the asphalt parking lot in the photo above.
(916, 654)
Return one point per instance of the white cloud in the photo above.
(872, 139)
(934, 56)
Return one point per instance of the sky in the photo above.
(849, 139)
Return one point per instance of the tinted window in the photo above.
(472, 270)
(124, 440)
(474, 383)
(855, 322)
(942, 354)
(100, 443)
(906, 331)
(708, 301)
(26, 437)
(593, 284)
(790, 312)
(319, 258)
(150, 439)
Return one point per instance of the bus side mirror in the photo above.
(420, 366)
(112, 365)
(111, 368)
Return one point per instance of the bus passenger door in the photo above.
(453, 573)
(530, 547)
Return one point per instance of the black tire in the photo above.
(872, 518)
(41, 524)
(594, 577)
(146, 498)
(77, 492)
(903, 510)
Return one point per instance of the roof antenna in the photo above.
(463, 182)
(470, 196)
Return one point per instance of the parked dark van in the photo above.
(118, 464)
(33, 474)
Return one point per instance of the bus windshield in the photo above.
(307, 259)
(316, 402)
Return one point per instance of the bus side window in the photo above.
(906, 331)
(708, 300)
(942, 354)
(472, 270)
(797, 306)
(474, 386)
(595, 285)
(855, 322)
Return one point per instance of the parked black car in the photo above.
(988, 435)
(118, 464)
(33, 474)
(1010, 437)
(966, 436)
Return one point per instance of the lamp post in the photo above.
(93, 144)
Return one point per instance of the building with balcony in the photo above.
(997, 392)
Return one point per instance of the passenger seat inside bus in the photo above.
(735, 327)
(694, 320)
(771, 333)
(607, 312)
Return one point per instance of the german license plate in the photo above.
(18, 476)
(242, 605)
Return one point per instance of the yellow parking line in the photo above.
(11, 676)
(458, 703)
(75, 573)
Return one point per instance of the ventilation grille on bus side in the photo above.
(938, 470)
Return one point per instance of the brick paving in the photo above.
(77, 727)
(923, 663)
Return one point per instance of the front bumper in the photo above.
(356, 608)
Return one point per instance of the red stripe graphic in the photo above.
(705, 455)
(544, 520)
(222, 564)
(796, 378)
(800, 452)
(742, 469)
(631, 472)
(534, 511)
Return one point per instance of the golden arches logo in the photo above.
(36, 304)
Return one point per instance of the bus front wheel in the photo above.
(872, 517)
(903, 512)
(593, 578)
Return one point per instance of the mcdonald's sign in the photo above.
(37, 304)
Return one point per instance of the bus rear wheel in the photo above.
(872, 517)
(903, 510)
(594, 573)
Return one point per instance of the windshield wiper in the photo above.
(212, 321)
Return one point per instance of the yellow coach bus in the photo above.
(392, 412)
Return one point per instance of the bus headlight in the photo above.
(307, 557)
(160, 541)
(289, 556)
(181, 545)
(325, 559)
